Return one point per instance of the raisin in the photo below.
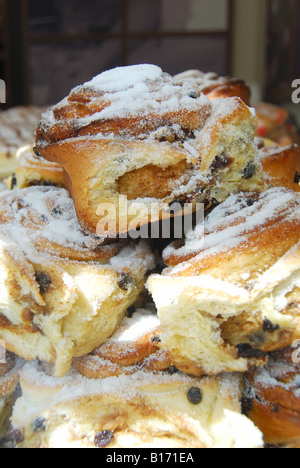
(249, 171)
(194, 395)
(193, 94)
(36, 152)
(247, 405)
(44, 281)
(57, 211)
(39, 425)
(221, 162)
(297, 178)
(245, 350)
(268, 326)
(172, 370)
(125, 281)
(15, 436)
(103, 439)
(156, 339)
(13, 182)
(130, 311)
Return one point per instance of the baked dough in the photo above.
(232, 292)
(133, 140)
(32, 170)
(135, 345)
(272, 398)
(17, 128)
(281, 166)
(137, 409)
(9, 379)
(64, 292)
(215, 86)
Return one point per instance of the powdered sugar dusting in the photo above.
(229, 224)
(279, 374)
(41, 222)
(45, 213)
(121, 78)
(140, 89)
(131, 329)
(74, 385)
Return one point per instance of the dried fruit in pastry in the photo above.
(215, 86)
(63, 291)
(232, 292)
(133, 140)
(141, 409)
(32, 170)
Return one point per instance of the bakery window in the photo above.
(283, 59)
(69, 42)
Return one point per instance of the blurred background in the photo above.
(48, 47)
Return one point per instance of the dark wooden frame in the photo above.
(283, 90)
(21, 47)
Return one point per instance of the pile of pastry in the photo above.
(123, 336)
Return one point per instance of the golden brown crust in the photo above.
(280, 227)
(216, 87)
(281, 166)
(234, 286)
(65, 292)
(79, 114)
(141, 410)
(185, 154)
(272, 399)
(32, 170)
(135, 345)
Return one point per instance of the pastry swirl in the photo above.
(136, 409)
(215, 86)
(231, 293)
(281, 166)
(64, 291)
(133, 136)
(32, 170)
(272, 399)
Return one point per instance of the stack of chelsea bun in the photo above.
(118, 340)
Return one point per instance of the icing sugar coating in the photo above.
(142, 92)
(121, 78)
(42, 222)
(229, 224)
